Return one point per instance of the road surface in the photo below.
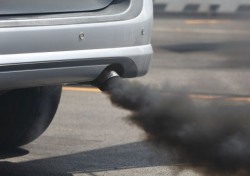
(90, 137)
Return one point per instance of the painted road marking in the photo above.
(81, 89)
(197, 22)
(238, 99)
(205, 97)
(194, 96)
(218, 97)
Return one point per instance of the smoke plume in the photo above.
(213, 138)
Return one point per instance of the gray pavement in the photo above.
(210, 56)
(91, 137)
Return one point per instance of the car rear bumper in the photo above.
(51, 54)
(59, 67)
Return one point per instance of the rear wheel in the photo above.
(26, 113)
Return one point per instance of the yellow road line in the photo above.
(205, 97)
(239, 99)
(194, 96)
(197, 22)
(224, 98)
(81, 89)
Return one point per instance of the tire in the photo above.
(26, 113)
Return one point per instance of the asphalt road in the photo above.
(91, 137)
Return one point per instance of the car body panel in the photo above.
(66, 37)
(49, 6)
(52, 54)
(118, 10)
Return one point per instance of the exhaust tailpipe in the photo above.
(106, 78)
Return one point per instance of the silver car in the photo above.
(44, 44)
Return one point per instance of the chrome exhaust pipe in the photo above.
(106, 78)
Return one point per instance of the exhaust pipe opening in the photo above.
(106, 78)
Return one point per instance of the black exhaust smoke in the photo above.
(213, 139)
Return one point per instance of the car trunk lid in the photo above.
(14, 7)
